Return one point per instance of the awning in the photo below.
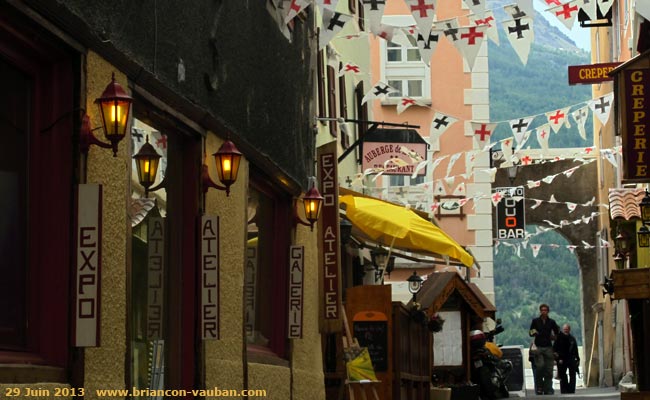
(401, 228)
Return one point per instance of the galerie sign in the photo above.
(296, 296)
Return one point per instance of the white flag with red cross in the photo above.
(535, 248)
(543, 132)
(406, 102)
(482, 132)
(423, 12)
(460, 190)
(327, 4)
(383, 31)
(557, 118)
(349, 68)
(566, 13)
(506, 149)
(486, 18)
(471, 38)
(295, 8)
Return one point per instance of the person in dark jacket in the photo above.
(544, 329)
(566, 348)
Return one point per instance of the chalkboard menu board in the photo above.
(515, 354)
(374, 336)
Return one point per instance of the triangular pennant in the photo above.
(557, 118)
(470, 160)
(570, 172)
(604, 243)
(515, 11)
(526, 6)
(580, 117)
(427, 44)
(537, 203)
(470, 42)
(482, 132)
(383, 31)
(374, 10)
(333, 22)
(571, 248)
(552, 199)
(460, 190)
(295, 7)
(420, 165)
(449, 180)
(486, 18)
(605, 5)
(543, 133)
(571, 206)
(477, 6)
(535, 248)
(496, 198)
(404, 36)
(327, 4)
(450, 28)
(519, 127)
(496, 247)
(423, 12)
(439, 189)
(587, 245)
(533, 184)
(437, 162)
(610, 156)
(602, 106)
(333, 57)
(452, 161)
(589, 7)
(349, 68)
(379, 91)
(520, 35)
(566, 13)
(526, 160)
(506, 149)
(406, 102)
(439, 124)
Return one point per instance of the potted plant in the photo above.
(435, 323)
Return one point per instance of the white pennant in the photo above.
(533, 184)
(295, 7)
(506, 149)
(333, 22)
(571, 248)
(641, 7)
(557, 118)
(537, 203)
(423, 12)
(374, 11)
(566, 13)
(571, 206)
(520, 34)
(327, 4)
(605, 5)
(427, 44)
(379, 91)
(470, 160)
(604, 243)
(526, 6)
(515, 11)
(439, 190)
(450, 180)
(437, 162)
(486, 18)
(349, 68)
(610, 156)
(535, 248)
(552, 199)
(602, 106)
(570, 171)
(477, 6)
(420, 165)
(450, 28)
(519, 127)
(589, 7)
(383, 31)
(580, 117)
(496, 198)
(543, 133)
(406, 102)
(470, 42)
(482, 132)
(460, 190)
(496, 247)
(452, 161)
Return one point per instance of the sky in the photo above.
(579, 35)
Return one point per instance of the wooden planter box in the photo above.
(631, 283)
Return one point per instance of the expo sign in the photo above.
(511, 221)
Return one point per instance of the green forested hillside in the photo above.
(536, 88)
(521, 284)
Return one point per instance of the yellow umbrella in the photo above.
(400, 227)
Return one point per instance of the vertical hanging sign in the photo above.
(250, 283)
(296, 297)
(88, 265)
(209, 277)
(329, 237)
(636, 125)
(155, 277)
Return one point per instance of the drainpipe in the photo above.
(598, 307)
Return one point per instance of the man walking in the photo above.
(568, 358)
(544, 329)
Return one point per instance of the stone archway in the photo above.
(579, 188)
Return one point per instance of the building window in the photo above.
(36, 186)
(402, 66)
(405, 180)
(266, 270)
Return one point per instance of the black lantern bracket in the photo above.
(313, 204)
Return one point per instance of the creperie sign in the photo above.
(636, 135)
(592, 73)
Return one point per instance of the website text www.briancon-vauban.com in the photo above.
(214, 392)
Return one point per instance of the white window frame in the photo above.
(403, 70)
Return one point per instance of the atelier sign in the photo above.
(591, 73)
(88, 265)
(296, 297)
(635, 125)
(511, 221)
(329, 231)
(156, 276)
(209, 277)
